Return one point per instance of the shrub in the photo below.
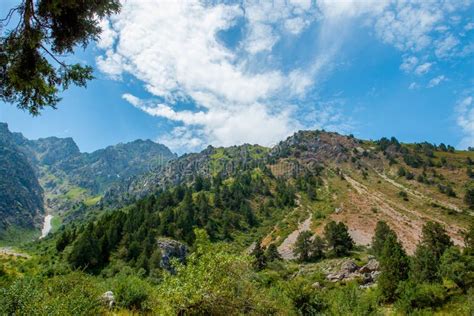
(131, 292)
(417, 296)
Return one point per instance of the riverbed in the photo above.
(46, 226)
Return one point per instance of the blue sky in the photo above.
(192, 73)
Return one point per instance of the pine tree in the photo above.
(428, 253)
(394, 267)
(272, 254)
(381, 233)
(317, 248)
(260, 261)
(303, 246)
(46, 30)
(338, 238)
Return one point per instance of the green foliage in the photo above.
(271, 253)
(131, 292)
(303, 246)
(394, 266)
(381, 233)
(469, 196)
(419, 296)
(213, 282)
(305, 300)
(47, 28)
(338, 239)
(350, 300)
(456, 267)
(427, 256)
(259, 254)
(73, 294)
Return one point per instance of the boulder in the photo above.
(348, 267)
(171, 249)
(372, 265)
(108, 299)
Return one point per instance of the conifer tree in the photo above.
(272, 254)
(394, 267)
(338, 238)
(381, 233)
(303, 246)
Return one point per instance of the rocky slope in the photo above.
(56, 167)
(363, 182)
(21, 196)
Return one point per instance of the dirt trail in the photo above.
(286, 247)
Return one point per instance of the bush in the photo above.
(419, 296)
(131, 292)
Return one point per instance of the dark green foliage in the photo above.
(382, 230)
(418, 296)
(47, 28)
(469, 240)
(413, 160)
(457, 267)
(384, 143)
(469, 172)
(446, 189)
(131, 292)
(303, 246)
(469, 196)
(338, 239)
(401, 172)
(260, 258)
(428, 254)
(272, 254)
(394, 266)
(403, 195)
(318, 245)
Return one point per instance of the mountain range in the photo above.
(51, 174)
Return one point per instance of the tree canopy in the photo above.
(32, 71)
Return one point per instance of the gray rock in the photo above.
(349, 267)
(170, 249)
(108, 299)
(372, 265)
(316, 285)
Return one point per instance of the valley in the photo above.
(240, 202)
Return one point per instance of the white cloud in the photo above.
(446, 46)
(413, 86)
(469, 26)
(172, 47)
(241, 94)
(423, 68)
(436, 81)
(465, 120)
(409, 63)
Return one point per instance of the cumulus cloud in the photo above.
(242, 94)
(173, 48)
(436, 81)
(465, 120)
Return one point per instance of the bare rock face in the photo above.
(170, 249)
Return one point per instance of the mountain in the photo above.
(306, 227)
(21, 196)
(362, 182)
(64, 175)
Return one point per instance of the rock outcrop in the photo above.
(349, 270)
(171, 249)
